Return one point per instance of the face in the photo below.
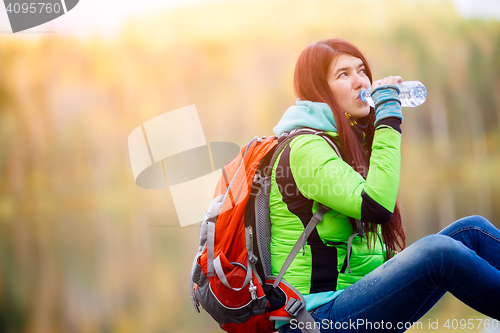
(346, 78)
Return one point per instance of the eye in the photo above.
(362, 70)
(343, 74)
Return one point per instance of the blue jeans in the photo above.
(464, 259)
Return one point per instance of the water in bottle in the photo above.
(411, 93)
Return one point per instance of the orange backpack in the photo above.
(231, 276)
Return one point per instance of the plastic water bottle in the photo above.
(411, 93)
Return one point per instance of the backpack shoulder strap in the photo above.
(301, 242)
(286, 138)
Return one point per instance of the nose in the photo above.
(359, 82)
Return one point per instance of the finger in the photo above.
(389, 80)
(376, 84)
(399, 79)
(394, 79)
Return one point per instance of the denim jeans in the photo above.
(464, 259)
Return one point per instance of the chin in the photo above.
(361, 114)
(366, 112)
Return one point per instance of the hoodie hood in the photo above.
(307, 114)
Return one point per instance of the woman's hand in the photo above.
(385, 95)
(387, 80)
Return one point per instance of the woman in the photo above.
(364, 291)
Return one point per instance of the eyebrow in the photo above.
(347, 68)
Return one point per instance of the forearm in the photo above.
(382, 182)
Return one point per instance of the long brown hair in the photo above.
(311, 83)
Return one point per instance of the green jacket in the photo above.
(309, 172)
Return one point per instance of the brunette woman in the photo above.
(350, 283)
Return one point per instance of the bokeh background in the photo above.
(83, 249)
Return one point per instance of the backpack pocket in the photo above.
(231, 283)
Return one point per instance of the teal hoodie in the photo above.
(307, 114)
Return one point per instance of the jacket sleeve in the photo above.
(321, 175)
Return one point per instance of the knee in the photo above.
(440, 247)
(469, 222)
(439, 255)
(475, 221)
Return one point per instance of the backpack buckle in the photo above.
(258, 179)
(253, 290)
(294, 306)
(195, 304)
(360, 227)
(252, 257)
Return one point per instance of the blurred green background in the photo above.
(83, 249)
